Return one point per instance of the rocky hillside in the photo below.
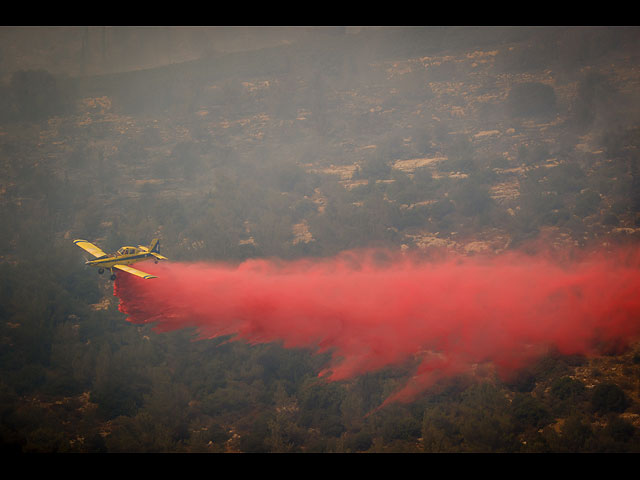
(474, 139)
(508, 118)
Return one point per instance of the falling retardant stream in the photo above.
(374, 309)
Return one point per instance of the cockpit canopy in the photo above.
(127, 251)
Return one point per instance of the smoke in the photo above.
(446, 312)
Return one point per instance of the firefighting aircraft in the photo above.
(122, 258)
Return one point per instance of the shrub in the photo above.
(566, 388)
(531, 99)
(608, 397)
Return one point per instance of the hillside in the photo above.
(480, 140)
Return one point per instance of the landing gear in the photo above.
(113, 276)
(101, 271)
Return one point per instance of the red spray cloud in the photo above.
(371, 310)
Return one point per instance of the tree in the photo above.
(471, 199)
(377, 167)
(530, 412)
(487, 427)
(576, 432)
(608, 397)
(567, 388)
(531, 100)
(440, 431)
(620, 431)
(595, 92)
(587, 203)
(566, 393)
(36, 95)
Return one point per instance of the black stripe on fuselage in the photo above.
(116, 260)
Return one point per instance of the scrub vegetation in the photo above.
(479, 140)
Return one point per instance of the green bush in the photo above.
(608, 397)
(531, 99)
(587, 203)
(528, 411)
(566, 388)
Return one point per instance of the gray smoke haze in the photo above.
(95, 50)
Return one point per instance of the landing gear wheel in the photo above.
(113, 276)
(101, 271)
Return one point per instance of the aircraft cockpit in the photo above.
(126, 251)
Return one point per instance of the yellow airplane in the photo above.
(124, 257)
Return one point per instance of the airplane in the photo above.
(124, 257)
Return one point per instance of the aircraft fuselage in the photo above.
(109, 262)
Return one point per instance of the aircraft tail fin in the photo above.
(154, 248)
(155, 245)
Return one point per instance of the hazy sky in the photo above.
(96, 50)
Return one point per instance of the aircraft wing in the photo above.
(90, 247)
(133, 271)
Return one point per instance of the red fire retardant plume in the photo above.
(372, 310)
